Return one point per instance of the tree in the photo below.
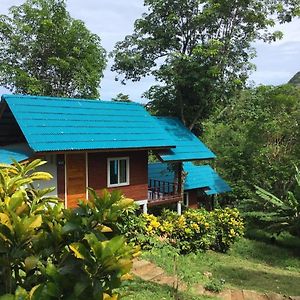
(121, 98)
(46, 52)
(256, 139)
(198, 50)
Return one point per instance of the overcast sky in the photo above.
(112, 20)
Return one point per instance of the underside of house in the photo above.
(105, 145)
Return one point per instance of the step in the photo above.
(148, 272)
(140, 263)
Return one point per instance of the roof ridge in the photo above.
(5, 96)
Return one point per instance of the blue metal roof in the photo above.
(188, 146)
(58, 124)
(197, 177)
(19, 152)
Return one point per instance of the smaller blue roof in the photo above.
(197, 177)
(19, 152)
(188, 146)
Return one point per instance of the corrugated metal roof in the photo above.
(188, 146)
(58, 124)
(19, 152)
(197, 177)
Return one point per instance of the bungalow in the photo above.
(97, 144)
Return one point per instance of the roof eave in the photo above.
(102, 150)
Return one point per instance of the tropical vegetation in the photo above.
(47, 252)
(199, 51)
(256, 139)
(193, 231)
(44, 51)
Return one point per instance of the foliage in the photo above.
(121, 98)
(198, 50)
(193, 231)
(47, 252)
(295, 79)
(214, 285)
(276, 214)
(256, 139)
(46, 52)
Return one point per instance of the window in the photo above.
(117, 171)
(186, 199)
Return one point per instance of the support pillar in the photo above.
(145, 208)
(179, 208)
(144, 204)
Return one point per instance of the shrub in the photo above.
(214, 285)
(49, 252)
(228, 225)
(193, 231)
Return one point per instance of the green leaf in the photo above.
(17, 199)
(80, 251)
(5, 220)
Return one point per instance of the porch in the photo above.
(163, 192)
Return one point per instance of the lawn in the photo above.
(141, 290)
(250, 264)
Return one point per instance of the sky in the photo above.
(275, 63)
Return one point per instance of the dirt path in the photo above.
(151, 272)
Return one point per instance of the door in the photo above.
(76, 178)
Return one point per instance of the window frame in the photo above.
(187, 198)
(126, 158)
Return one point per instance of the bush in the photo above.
(228, 226)
(193, 231)
(49, 252)
(214, 285)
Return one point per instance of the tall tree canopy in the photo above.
(198, 50)
(44, 51)
(256, 138)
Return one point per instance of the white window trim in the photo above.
(127, 171)
(187, 199)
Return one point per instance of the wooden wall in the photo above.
(10, 132)
(193, 198)
(197, 199)
(138, 173)
(97, 174)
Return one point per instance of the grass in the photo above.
(250, 264)
(142, 290)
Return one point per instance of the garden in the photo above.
(48, 252)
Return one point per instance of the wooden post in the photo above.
(180, 179)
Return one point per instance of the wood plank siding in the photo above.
(138, 174)
(193, 198)
(74, 171)
(10, 132)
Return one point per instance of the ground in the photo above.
(142, 290)
(250, 265)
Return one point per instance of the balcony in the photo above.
(162, 192)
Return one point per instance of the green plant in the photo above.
(193, 231)
(277, 214)
(49, 252)
(228, 225)
(214, 285)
